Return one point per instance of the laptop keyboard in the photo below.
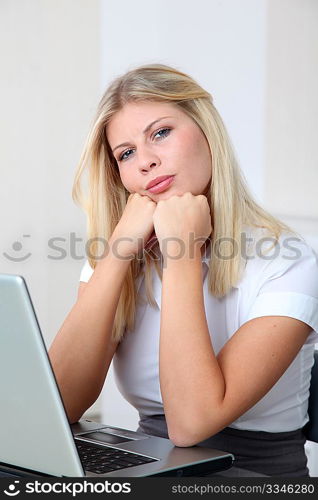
(100, 460)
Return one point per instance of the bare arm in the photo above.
(82, 350)
(203, 393)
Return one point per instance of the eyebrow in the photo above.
(144, 131)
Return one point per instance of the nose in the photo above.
(148, 160)
(149, 165)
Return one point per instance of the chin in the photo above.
(166, 196)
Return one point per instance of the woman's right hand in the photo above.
(134, 228)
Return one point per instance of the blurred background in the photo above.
(258, 59)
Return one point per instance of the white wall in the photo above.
(257, 58)
(50, 59)
(50, 63)
(291, 156)
(220, 43)
(292, 107)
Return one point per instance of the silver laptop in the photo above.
(35, 435)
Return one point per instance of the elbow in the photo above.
(74, 417)
(182, 441)
(73, 420)
(184, 437)
(192, 431)
(73, 414)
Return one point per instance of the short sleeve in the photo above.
(288, 286)
(86, 272)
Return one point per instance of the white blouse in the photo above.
(283, 282)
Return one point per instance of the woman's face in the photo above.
(151, 139)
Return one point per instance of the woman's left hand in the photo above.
(182, 221)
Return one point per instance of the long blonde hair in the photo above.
(231, 204)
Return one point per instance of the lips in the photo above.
(157, 180)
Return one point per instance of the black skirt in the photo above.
(270, 453)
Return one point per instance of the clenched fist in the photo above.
(183, 220)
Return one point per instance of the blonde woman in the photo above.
(207, 304)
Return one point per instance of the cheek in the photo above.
(203, 153)
(197, 149)
(123, 179)
(191, 143)
(127, 181)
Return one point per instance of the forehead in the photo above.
(135, 116)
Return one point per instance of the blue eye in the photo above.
(163, 132)
(123, 157)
